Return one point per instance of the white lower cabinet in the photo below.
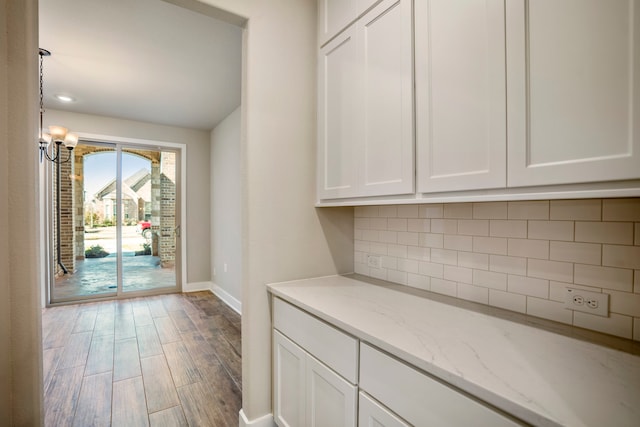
(373, 414)
(420, 399)
(308, 393)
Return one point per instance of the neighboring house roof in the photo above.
(137, 186)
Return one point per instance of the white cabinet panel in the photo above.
(385, 36)
(289, 378)
(331, 346)
(460, 95)
(331, 401)
(338, 107)
(372, 414)
(403, 389)
(573, 91)
(333, 16)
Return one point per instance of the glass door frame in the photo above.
(118, 144)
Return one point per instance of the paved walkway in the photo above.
(97, 276)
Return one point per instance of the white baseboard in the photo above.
(197, 286)
(229, 299)
(264, 421)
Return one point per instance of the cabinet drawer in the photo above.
(335, 349)
(420, 399)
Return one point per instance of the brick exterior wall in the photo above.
(167, 249)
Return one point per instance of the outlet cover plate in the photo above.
(374, 261)
(586, 301)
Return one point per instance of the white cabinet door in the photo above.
(372, 414)
(573, 72)
(289, 382)
(386, 151)
(331, 400)
(338, 106)
(333, 16)
(460, 95)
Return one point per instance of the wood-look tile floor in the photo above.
(170, 360)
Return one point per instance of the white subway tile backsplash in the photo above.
(418, 253)
(388, 236)
(551, 270)
(519, 256)
(490, 210)
(432, 269)
(615, 324)
(584, 253)
(459, 243)
(431, 211)
(473, 227)
(371, 235)
(431, 240)
(513, 302)
(621, 209)
(365, 211)
(396, 276)
(528, 248)
(390, 262)
(408, 211)
(419, 225)
(362, 223)
(490, 245)
(551, 230)
(458, 210)
(448, 226)
(408, 238)
(445, 287)
(378, 223)
(409, 265)
(397, 224)
(621, 256)
(444, 256)
(576, 210)
(549, 310)
(528, 210)
(398, 251)
(419, 281)
(507, 228)
(490, 279)
(528, 286)
(624, 303)
(620, 233)
(604, 277)
(473, 260)
(458, 274)
(388, 211)
(508, 264)
(473, 293)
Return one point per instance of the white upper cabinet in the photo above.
(338, 106)
(387, 165)
(460, 95)
(365, 106)
(333, 16)
(573, 73)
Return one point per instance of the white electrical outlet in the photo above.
(587, 301)
(374, 261)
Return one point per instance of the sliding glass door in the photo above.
(115, 221)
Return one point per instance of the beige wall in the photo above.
(226, 206)
(285, 237)
(198, 207)
(20, 336)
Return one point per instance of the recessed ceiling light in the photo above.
(64, 98)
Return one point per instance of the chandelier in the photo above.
(60, 136)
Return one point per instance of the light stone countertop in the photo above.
(543, 378)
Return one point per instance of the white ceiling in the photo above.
(143, 60)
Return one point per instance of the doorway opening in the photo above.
(115, 222)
